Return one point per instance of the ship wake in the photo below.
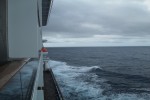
(83, 83)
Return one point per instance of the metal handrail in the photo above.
(37, 93)
(38, 90)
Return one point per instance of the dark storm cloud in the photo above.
(86, 18)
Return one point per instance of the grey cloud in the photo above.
(121, 17)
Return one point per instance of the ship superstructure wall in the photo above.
(3, 33)
(24, 29)
(21, 23)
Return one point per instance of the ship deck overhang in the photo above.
(46, 6)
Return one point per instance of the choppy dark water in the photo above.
(102, 73)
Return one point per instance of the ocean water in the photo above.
(102, 73)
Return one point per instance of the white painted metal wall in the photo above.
(24, 33)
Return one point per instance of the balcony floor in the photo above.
(8, 70)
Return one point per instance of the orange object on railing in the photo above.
(44, 49)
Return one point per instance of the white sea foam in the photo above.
(77, 83)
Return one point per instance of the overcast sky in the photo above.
(98, 23)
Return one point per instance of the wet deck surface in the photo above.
(50, 92)
(7, 71)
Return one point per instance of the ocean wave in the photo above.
(79, 83)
